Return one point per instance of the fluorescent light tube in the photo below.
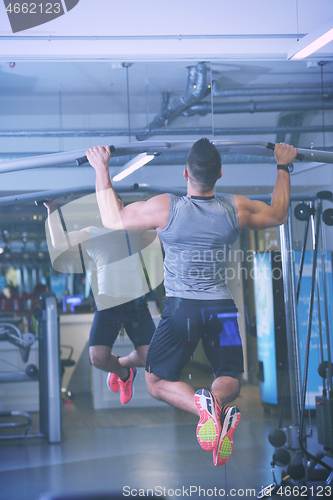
(133, 165)
(313, 41)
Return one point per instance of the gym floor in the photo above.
(132, 449)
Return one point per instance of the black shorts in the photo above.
(183, 323)
(134, 316)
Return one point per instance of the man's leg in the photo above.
(178, 394)
(135, 358)
(103, 333)
(119, 376)
(181, 395)
(223, 349)
(226, 389)
(140, 328)
(102, 359)
(203, 404)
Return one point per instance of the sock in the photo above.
(128, 376)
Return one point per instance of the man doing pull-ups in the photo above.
(197, 231)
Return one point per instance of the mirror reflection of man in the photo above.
(198, 303)
(120, 297)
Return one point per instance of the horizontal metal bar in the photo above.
(166, 131)
(56, 159)
(169, 158)
(19, 376)
(23, 436)
(259, 148)
(152, 37)
(39, 196)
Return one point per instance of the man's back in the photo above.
(196, 240)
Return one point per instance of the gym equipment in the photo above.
(236, 147)
(303, 211)
(50, 370)
(298, 467)
(15, 417)
(12, 334)
(328, 216)
(41, 196)
(271, 329)
(48, 374)
(259, 148)
(277, 438)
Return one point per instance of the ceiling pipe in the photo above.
(202, 131)
(195, 91)
(203, 108)
(188, 104)
(268, 91)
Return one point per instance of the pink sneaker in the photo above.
(126, 388)
(209, 427)
(113, 382)
(231, 416)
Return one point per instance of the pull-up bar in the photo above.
(260, 148)
(39, 197)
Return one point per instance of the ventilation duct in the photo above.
(188, 104)
(196, 90)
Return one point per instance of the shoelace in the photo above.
(126, 385)
(224, 410)
(217, 406)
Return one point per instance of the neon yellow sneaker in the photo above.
(230, 416)
(209, 427)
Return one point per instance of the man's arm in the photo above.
(151, 214)
(255, 214)
(60, 240)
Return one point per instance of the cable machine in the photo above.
(291, 443)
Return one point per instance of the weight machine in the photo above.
(291, 443)
(48, 374)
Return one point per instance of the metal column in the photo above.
(289, 286)
(49, 369)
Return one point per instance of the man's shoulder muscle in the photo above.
(153, 213)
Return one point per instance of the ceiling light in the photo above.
(133, 165)
(313, 41)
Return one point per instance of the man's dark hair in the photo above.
(204, 165)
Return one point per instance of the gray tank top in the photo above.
(196, 241)
(119, 273)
